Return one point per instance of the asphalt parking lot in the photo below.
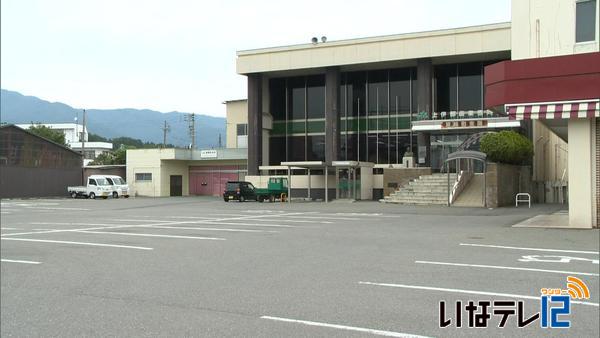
(203, 267)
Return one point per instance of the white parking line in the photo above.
(10, 228)
(19, 261)
(473, 292)
(344, 327)
(76, 243)
(65, 230)
(148, 235)
(508, 268)
(203, 229)
(529, 249)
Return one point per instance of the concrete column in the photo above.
(424, 104)
(332, 114)
(254, 123)
(581, 179)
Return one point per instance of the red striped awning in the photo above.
(555, 110)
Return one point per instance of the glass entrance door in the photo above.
(348, 183)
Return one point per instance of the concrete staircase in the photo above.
(426, 190)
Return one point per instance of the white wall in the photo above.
(546, 28)
(582, 159)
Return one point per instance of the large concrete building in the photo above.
(372, 100)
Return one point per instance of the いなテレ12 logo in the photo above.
(556, 302)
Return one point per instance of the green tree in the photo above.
(55, 136)
(507, 147)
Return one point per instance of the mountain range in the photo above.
(143, 124)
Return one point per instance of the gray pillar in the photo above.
(332, 114)
(424, 104)
(254, 123)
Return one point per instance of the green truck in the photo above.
(277, 188)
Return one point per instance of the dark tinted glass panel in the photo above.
(277, 98)
(297, 97)
(355, 93)
(316, 148)
(470, 86)
(242, 129)
(378, 92)
(414, 90)
(372, 150)
(392, 145)
(400, 91)
(296, 148)
(362, 147)
(382, 147)
(316, 96)
(585, 22)
(276, 150)
(446, 89)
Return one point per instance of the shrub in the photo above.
(507, 147)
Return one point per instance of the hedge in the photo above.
(507, 147)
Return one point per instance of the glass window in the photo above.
(382, 148)
(355, 93)
(378, 92)
(585, 21)
(372, 150)
(470, 80)
(296, 148)
(277, 150)
(316, 148)
(277, 98)
(143, 176)
(92, 181)
(316, 96)
(242, 129)
(297, 98)
(445, 88)
(400, 91)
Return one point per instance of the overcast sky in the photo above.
(180, 55)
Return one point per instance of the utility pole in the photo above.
(83, 150)
(220, 144)
(191, 129)
(83, 137)
(165, 129)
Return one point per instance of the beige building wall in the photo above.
(550, 164)
(392, 48)
(543, 28)
(144, 161)
(174, 167)
(236, 113)
(582, 173)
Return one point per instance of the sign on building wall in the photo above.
(464, 124)
(208, 153)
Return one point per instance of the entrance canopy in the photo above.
(554, 110)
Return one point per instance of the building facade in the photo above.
(74, 134)
(553, 81)
(187, 172)
(32, 166)
(373, 99)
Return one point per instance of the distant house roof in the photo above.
(238, 100)
(12, 126)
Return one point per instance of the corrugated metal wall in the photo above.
(31, 166)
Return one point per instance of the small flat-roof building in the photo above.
(183, 172)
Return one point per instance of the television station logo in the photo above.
(555, 307)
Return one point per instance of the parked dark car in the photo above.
(239, 190)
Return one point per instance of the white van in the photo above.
(120, 187)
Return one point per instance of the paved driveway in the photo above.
(203, 267)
